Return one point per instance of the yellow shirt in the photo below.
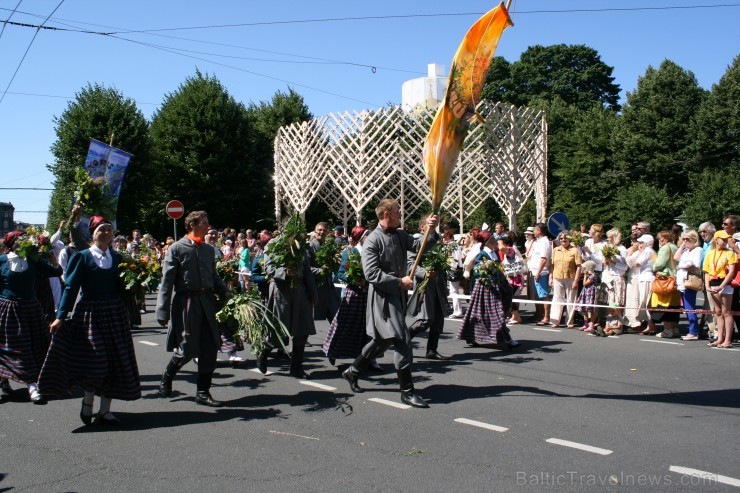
(716, 262)
(565, 262)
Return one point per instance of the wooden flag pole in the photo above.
(427, 232)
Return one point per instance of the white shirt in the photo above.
(16, 263)
(595, 255)
(102, 259)
(540, 249)
(689, 258)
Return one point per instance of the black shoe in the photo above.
(84, 417)
(262, 363)
(5, 391)
(38, 399)
(350, 374)
(411, 399)
(436, 355)
(108, 419)
(299, 373)
(165, 385)
(205, 399)
(333, 361)
(472, 343)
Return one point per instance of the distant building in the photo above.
(6, 218)
(426, 91)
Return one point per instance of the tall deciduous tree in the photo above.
(201, 137)
(652, 143)
(100, 113)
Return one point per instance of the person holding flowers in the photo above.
(293, 293)
(485, 320)
(24, 336)
(346, 336)
(190, 313)
(384, 264)
(325, 255)
(615, 268)
(94, 349)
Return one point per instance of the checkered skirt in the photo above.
(485, 320)
(24, 339)
(346, 336)
(95, 351)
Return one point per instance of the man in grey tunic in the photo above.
(190, 271)
(384, 264)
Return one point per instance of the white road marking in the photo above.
(389, 403)
(612, 337)
(263, 374)
(579, 446)
(149, 343)
(546, 330)
(317, 385)
(480, 424)
(708, 476)
(663, 342)
(291, 434)
(725, 348)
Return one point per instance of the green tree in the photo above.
(574, 73)
(202, 141)
(100, 113)
(644, 202)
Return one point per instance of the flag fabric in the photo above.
(452, 121)
(110, 164)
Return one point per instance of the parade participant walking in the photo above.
(94, 350)
(327, 303)
(384, 264)
(24, 335)
(190, 271)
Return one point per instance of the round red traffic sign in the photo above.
(175, 209)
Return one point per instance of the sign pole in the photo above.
(174, 225)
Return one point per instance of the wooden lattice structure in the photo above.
(352, 159)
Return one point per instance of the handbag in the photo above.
(694, 282)
(665, 284)
(455, 275)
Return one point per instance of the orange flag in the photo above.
(452, 121)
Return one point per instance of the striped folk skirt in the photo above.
(484, 321)
(93, 350)
(346, 336)
(24, 339)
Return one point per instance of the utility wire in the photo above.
(27, 49)
(11, 15)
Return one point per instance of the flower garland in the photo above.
(142, 270)
(33, 245)
(353, 268)
(435, 261)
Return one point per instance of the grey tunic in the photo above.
(384, 264)
(190, 271)
(328, 300)
(426, 310)
(292, 305)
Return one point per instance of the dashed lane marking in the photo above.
(389, 403)
(546, 330)
(259, 372)
(707, 476)
(317, 385)
(149, 343)
(662, 342)
(579, 446)
(480, 424)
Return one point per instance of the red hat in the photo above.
(96, 221)
(11, 236)
(484, 236)
(357, 233)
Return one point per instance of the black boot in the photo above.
(203, 395)
(262, 361)
(407, 389)
(432, 344)
(296, 364)
(165, 385)
(351, 374)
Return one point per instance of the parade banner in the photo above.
(452, 121)
(107, 166)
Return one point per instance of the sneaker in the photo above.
(456, 315)
(666, 334)
(236, 359)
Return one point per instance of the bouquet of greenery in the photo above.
(228, 271)
(436, 261)
(488, 272)
(91, 193)
(288, 250)
(142, 270)
(577, 238)
(353, 268)
(256, 324)
(328, 258)
(33, 245)
(610, 252)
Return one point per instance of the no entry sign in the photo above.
(175, 209)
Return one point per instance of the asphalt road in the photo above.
(564, 412)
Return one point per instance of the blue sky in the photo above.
(253, 61)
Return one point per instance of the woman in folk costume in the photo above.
(94, 349)
(24, 336)
(485, 320)
(346, 336)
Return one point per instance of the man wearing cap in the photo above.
(532, 266)
(384, 264)
(339, 235)
(211, 237)
(328, 297)
(190, 271)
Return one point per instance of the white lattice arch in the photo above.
(349, 160)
